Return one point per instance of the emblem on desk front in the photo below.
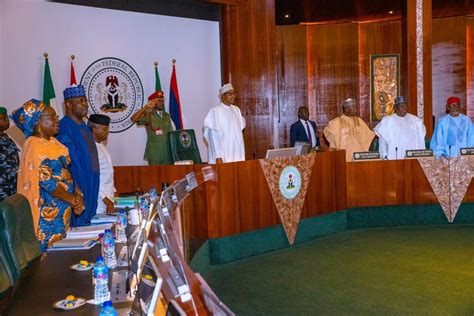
(290, 182)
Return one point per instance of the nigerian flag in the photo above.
(157, 78)
(49, 97)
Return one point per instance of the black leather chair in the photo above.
(7, 279)
(17, 235)
(183, 146)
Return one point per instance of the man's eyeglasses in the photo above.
(231, 93)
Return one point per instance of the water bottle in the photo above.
(143, 206)
(108, 309)
(108, 249)
(121, 224)
(153, 194)
(101, 281)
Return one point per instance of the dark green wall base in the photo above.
(235, 247)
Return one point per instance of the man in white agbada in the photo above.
(223, 127)
(99, 126)
(399, 132)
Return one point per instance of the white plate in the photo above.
(80, 267)
(63, 304)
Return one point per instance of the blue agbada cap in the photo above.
(74, 92)
(27, 116)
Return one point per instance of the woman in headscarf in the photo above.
(43, 176)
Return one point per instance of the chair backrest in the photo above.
(17, 235)
(7, 277)
(183, 146)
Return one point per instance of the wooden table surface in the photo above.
(50, 279)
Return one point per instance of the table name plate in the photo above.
(416, 153)
(366, 155)
(468, 151)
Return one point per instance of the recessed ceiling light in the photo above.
(390, 12)
(287, 16)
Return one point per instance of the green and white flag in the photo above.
(49, 97)
(157, 78)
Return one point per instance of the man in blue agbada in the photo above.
(76, 136)
(453, 131)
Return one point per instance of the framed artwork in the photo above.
(384, 84)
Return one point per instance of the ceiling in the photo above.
(286, 11)
(194, 9)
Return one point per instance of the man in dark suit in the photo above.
(304, 130)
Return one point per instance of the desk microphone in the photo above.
(396, 153)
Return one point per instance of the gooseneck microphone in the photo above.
(396, 153)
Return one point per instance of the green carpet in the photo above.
(389, 271)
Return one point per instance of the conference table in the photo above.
(49, 279)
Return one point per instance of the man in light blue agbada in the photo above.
(453, 131)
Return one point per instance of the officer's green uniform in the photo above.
(157, 146)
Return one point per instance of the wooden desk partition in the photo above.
(240, 201)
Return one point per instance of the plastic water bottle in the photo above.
(101, 281)
(108, 309)
(153, 194)
(143, 206)
(108, 250)
(121, 224)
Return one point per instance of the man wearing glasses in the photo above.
(453, 131)
(223, 128)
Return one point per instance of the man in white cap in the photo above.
(223, 127)
(349, 131)
(400, 132)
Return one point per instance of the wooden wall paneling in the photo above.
(123, 179)
(256, 201)
(362, 189)
(212, 204)
(443, 8)
(428, 67)
(449, 62)
(249, 62)
(393, 174)
(375, 183)
(469, 197)
(469, 66)
(226, 209)
(408, 189)
(292, 78)
(339, 158)
(420, 186)
(321, 196)
(332, 69)
(375, 38)
(409, 74)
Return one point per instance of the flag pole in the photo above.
(72, 79)
(49, 96)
